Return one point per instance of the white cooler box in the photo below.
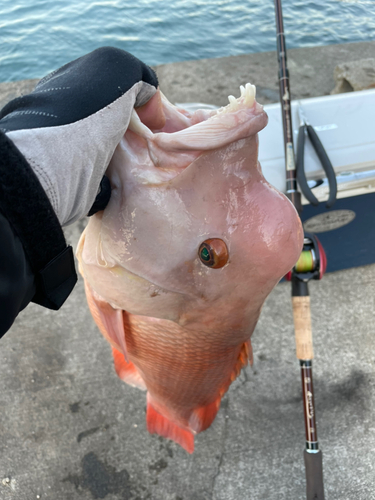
(345, 124)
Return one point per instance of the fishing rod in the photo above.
(311, 265)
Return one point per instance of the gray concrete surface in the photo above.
(70, 429)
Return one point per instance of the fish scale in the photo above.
(177, 368)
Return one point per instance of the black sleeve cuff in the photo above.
(17, 286)
(25, 205)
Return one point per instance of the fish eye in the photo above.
(213, 253)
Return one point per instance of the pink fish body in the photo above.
(178, 265)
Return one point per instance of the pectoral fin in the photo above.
(109, 320)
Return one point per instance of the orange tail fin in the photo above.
(127, 371)
(157, 424)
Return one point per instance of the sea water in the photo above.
(38, 36)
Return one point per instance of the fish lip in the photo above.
(186, 120)
(182, 147)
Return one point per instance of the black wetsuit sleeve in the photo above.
(17, 283)
(36, 264)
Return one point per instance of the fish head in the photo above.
(193, 232)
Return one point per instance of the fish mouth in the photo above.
(178, 118)
(185, 136)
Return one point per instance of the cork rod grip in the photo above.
(302, 327)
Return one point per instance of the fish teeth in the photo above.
(249, 94)
(233, 103)
(246, 99)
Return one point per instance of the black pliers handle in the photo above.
(306, 129)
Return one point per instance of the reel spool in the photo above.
(312, 263)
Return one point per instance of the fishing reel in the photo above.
(312, 263)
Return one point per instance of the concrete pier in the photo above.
(70, 429)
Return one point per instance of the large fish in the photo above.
(178, 265)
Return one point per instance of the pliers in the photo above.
(306, 129)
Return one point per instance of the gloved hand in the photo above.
(55, 145)
(69, 126)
